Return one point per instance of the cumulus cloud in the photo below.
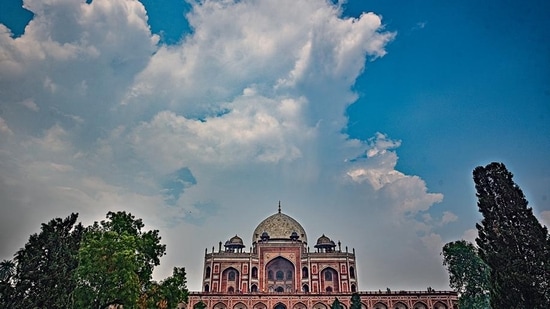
(201, 137)
(448, 217)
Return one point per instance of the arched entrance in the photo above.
(280, 273)
(329, 280)
(279, 306)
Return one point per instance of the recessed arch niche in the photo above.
(281, 273)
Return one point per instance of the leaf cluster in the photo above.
(468, 274)
(110, 262)
(511, 241)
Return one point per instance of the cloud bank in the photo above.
(203, 137)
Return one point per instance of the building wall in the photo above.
(369, 300)
(326, 271)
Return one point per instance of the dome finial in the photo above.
(279, 206)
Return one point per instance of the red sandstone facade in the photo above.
(280, 272)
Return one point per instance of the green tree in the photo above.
(336, 304)
(174, 288)
(116, 261)
(468, 274)
(7, 270)
(44, 274)
(168, 293)
(511, 241)
(355, 301)
(199, 305)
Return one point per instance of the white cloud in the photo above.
(29, 103)
(253, 107)
(448, 217)
(4, 128)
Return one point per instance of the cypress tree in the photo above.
(355, 301)
(336, 304)
(511, 241)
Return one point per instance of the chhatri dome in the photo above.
(279, 226)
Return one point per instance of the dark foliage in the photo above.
(45, 267)
(511, 241)
(355, 301)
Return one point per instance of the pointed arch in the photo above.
(420, 305)
(440, 305)
(220, 305)
(230, 280)
(319, 306)
(259, 305)
(400, 305)
(329, 279)
(240, 305)
(305, 273)
(299, 305)
(281, 272)
(380, 305)
(279, 305)
(352, 272)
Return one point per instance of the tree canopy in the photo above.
(468, 274)
(116, 261)
(336, 304)
(511, 241)
(44, 270)
(355, 301)
(109, 262)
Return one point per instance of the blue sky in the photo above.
(199, 118)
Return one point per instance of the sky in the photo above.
(363, 118)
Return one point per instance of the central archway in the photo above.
(280, 275)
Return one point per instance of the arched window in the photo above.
(329, 289)
(289, 275)
(305, 288)
(254, 288)
(305, 273)
(280, 275)
(207, 272)
(352, 272)
(207, 288)
(231, 275)
(279, 289)
(328, 275)
(270, 275)
(254, 273)
(231, 289)
(353, 288)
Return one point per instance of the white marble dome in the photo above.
(279, 226)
